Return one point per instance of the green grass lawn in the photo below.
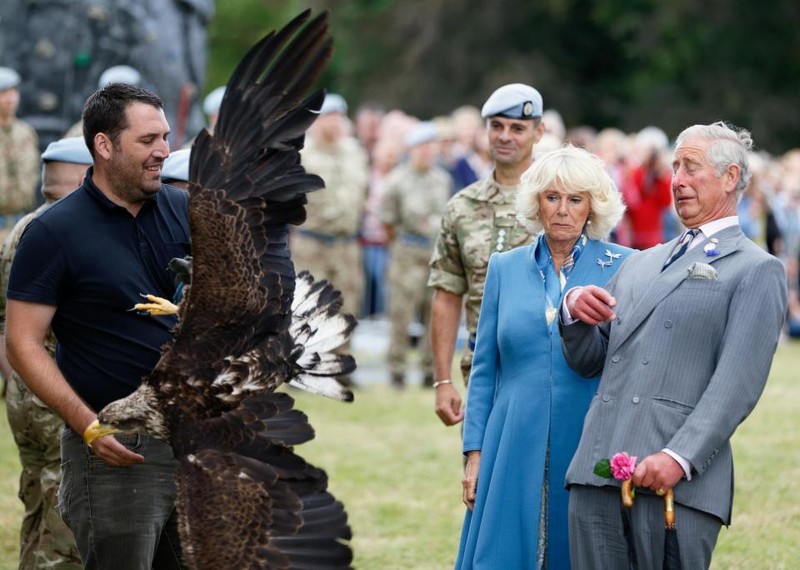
(398, 471)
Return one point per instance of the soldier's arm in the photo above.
(5, 367)
(5, 259)
(389, 207)
(445, 318)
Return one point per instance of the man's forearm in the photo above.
(445, 318)
(41, 374)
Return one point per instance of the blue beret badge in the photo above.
(527, 109)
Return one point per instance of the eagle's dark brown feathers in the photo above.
(275, 512)
(247, 325)
(252, 158)
(292, 508)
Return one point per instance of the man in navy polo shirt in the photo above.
(80, 267)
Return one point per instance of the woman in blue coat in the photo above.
(525, 406)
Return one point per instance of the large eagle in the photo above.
(248, 324)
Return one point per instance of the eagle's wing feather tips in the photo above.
(232, 502)
(245, 499)
(247, 185)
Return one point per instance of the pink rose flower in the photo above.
(622, 466)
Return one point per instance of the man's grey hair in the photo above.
(729, 145)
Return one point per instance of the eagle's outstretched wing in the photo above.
(245, 499)
(247, 325)
(275, 512)
(247, 185)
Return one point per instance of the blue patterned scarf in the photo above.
(554, 284)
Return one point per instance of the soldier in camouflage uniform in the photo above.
(478, 221)
(45, 541)
(416, 194)
(326, 243)
(19, 156)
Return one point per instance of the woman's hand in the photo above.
(470, 480)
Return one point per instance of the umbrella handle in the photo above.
(669, 502)
(669, 509)
(627, 493)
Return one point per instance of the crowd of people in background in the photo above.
(360, 152)
(638, 162)
(378, 232)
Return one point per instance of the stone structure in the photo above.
(60, 48)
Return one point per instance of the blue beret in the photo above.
(119, 74)
(333, 103)
(8, 78)
(514, 101)
(176, 166)
(421, 133)
(70, 149)
(213, 101)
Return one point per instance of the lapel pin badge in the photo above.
(611, 257)
(711, 248)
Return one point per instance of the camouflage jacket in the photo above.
(337, 210)
(19, 167)
(414, 201)
(9, 247)
(479, 220)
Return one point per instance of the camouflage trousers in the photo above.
(45, 541)
(338, 260)
(409, 298)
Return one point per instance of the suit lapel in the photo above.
(656, 284)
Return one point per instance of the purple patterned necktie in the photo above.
(685, 241)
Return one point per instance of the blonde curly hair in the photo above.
(574, 170)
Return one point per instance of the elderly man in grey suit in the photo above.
(684, 336)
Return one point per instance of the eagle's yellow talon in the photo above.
(157, 307)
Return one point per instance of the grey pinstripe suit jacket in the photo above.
(683, 365)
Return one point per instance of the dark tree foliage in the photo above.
(624, 63)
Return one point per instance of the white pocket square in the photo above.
(701, 271)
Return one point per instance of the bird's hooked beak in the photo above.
(96, 430)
